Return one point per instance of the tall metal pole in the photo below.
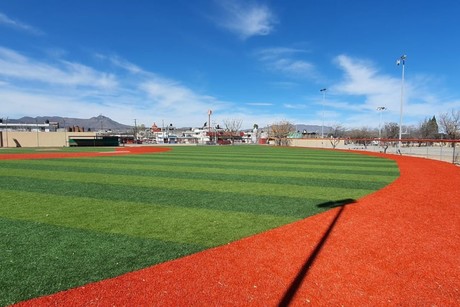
(65, 135)
(323, 90)
(6, 127)
(38, 141)
(381, 109)
(209, 124)
(135, 130)
(401, 60)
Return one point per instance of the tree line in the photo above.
(447, 127)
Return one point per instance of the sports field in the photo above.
(70, 221)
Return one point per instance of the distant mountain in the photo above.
(104, 123)
(92, 124)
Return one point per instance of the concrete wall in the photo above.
(40, 139)
(316, 143)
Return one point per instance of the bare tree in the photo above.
(233, 126)
(391, 130)
(450, 124)
(280, 132)
(361, 136)
(337, 133)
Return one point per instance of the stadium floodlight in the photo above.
(401, 60)
(323, 90)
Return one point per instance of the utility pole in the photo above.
(209, 123)
(381, 109)
(323, 90)
(6, 127)
(135, 129)
(401, 60)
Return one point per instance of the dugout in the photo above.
(94, 141)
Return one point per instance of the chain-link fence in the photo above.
(445, 153)
(445, 150)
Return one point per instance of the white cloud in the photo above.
(246, 19)
(284, 60)
(32, 87)
(284, 84)
(294, 67)
(368, 88)
(294, 106)
(278, 52)
(14, 65)
(259, 104)
(121, 63)
(5, 20)
(171, 94)
(362, 78)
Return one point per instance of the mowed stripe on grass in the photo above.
(167, 223)
(171, 204)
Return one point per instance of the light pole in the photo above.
(38, 140)
(65, 135)
(323, 90)
(6, 128)
(209, 125)
(381, 109)
(401, 60)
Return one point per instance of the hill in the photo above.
(92, 124)
(104, 123)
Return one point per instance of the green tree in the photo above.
(429, 128)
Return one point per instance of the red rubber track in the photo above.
(51, 155)
(398, 246)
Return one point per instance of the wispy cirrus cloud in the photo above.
(278, 52)
(121, 63)
(18, 25)
(288, 62)
(246, 19)
(364, 83)
(17, 66)
(31, 86)
(296, 106)
(367, 88)
(165, 93)
(259, 104)
(175, 96)
(362, 77)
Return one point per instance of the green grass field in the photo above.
(68, 222)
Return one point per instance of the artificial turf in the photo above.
(67, 222)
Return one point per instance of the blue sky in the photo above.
(256, 61)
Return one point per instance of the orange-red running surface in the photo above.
(51, 155)
(398, 246)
